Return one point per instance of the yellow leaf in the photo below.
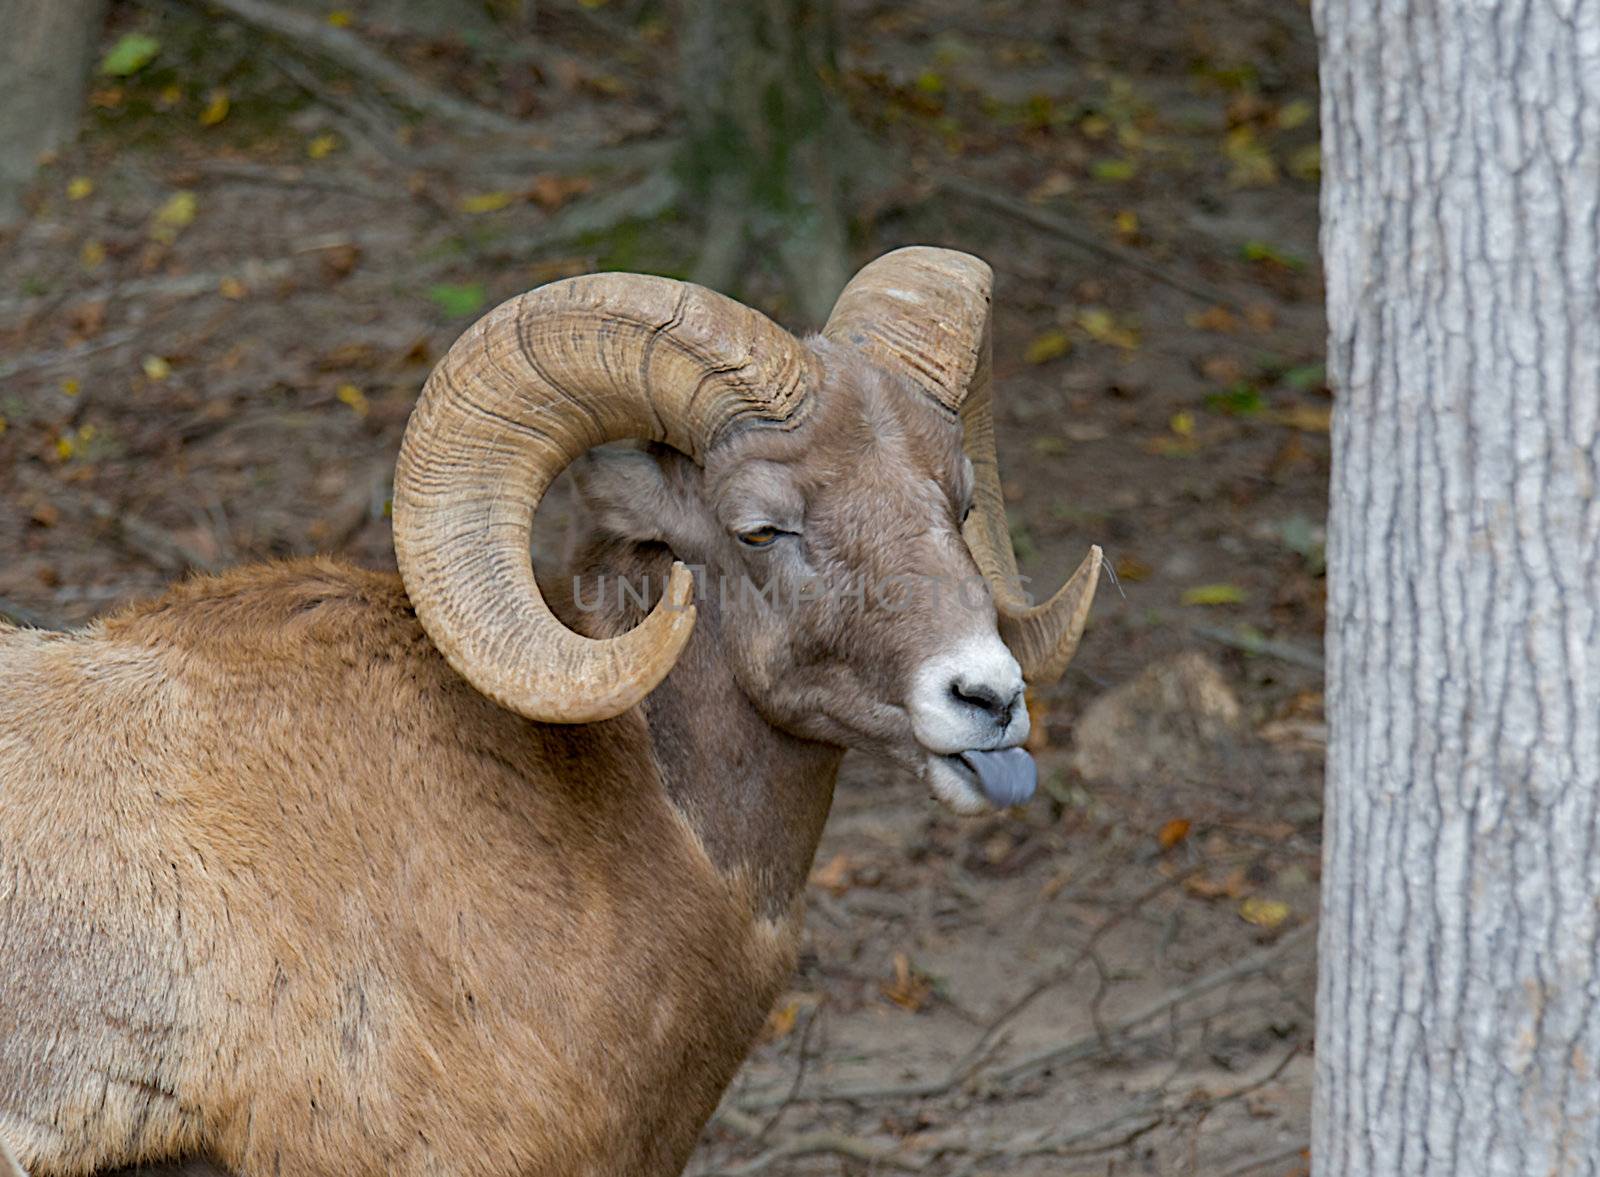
(1253, 165)
(1052, 345)
(1173, 832)
(171, 94)
(1101, 325)
(155, 367)
(1183, 424)
(2, 425)
(1307, 418)
(355, 398)
(1127, 222)
(232, 288)
(1294, 114)
(781, 1021)
(1263, 913)
(64, 447)
(174, 216)
(486, 202)
(1213, 594)
(340, 18)
(92, 254)
(322, 146)
(78, 187)
(69, 387)
(216, 108)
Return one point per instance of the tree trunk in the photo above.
(45, 51)
(769, 148)
(1458, 1010)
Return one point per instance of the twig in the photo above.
(808, 1144)
(289, 176)
(141, 537)
(353, 54)
(799, 1078)
(252, 271)
(1263, 1162)
(1254, 643)
(55, 359)
(1255, 963)
(1059, 227)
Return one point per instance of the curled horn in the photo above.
(925, 313)
(528, 388)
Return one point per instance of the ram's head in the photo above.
(839, 496)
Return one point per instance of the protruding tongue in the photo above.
(1007, 777)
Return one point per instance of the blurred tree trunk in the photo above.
(45, 52)
(769, 147)
(1458, 1011)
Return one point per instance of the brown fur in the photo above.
(280, 890)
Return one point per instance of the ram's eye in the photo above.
(966, 513)
(759, 537)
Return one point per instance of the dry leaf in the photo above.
(232, 289)
(322, 146)
(92, 254)
(835, 876)
(216, 108)
(781, 1021)
(1173, 832)
(1263, 913)
(1218, 319)
(173, 217)
(155, 367)
(1129, 567)
(1306, 418)
(355, 398)
(78, 187)
(909, 990)
(551, 192)
(1101, 325)
(1213, 594)
(486, 202)
(1052, 345)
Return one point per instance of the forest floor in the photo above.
(214, 324)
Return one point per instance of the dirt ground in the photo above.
(212, 329)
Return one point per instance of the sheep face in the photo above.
(832, 556)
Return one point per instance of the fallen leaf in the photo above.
(174, 216)
(1293, 114)
(69, 387)
(78, 187)
(131, 53)
(1263, 913)
(459, 299)
(551, 192)
(322, 146)
(1132, 568)
(1306, 418)
(909, 989)
(232, 289)
(216, 108)
(1218, 319)
(1213, 594)
(835, 876)
(92, 254)
(1052, 345)
(781, 1021)
(1262, 251)
(355, 398)
(340, 18)
(1182, 424)
(1127, 224)
(169, 96)
(1173, 832)
(486, 202)
(1253, 165)
(108, 98)
(156, 367)
(1114, 171)
(1102, 326)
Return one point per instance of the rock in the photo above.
(1178, 719)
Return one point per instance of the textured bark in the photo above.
(44, 59)
(769, 149)
(1458, 1027)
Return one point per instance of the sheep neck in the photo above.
(755, 796)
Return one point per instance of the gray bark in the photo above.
(45, 50)
(769, 149)
(1459, 1002)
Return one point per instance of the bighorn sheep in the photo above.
(310, 870)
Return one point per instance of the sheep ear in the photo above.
(641, 495)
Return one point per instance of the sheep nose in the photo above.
(999, 705)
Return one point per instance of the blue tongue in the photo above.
(1007, 778)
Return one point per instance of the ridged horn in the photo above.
(926, 314)
(528, 388)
